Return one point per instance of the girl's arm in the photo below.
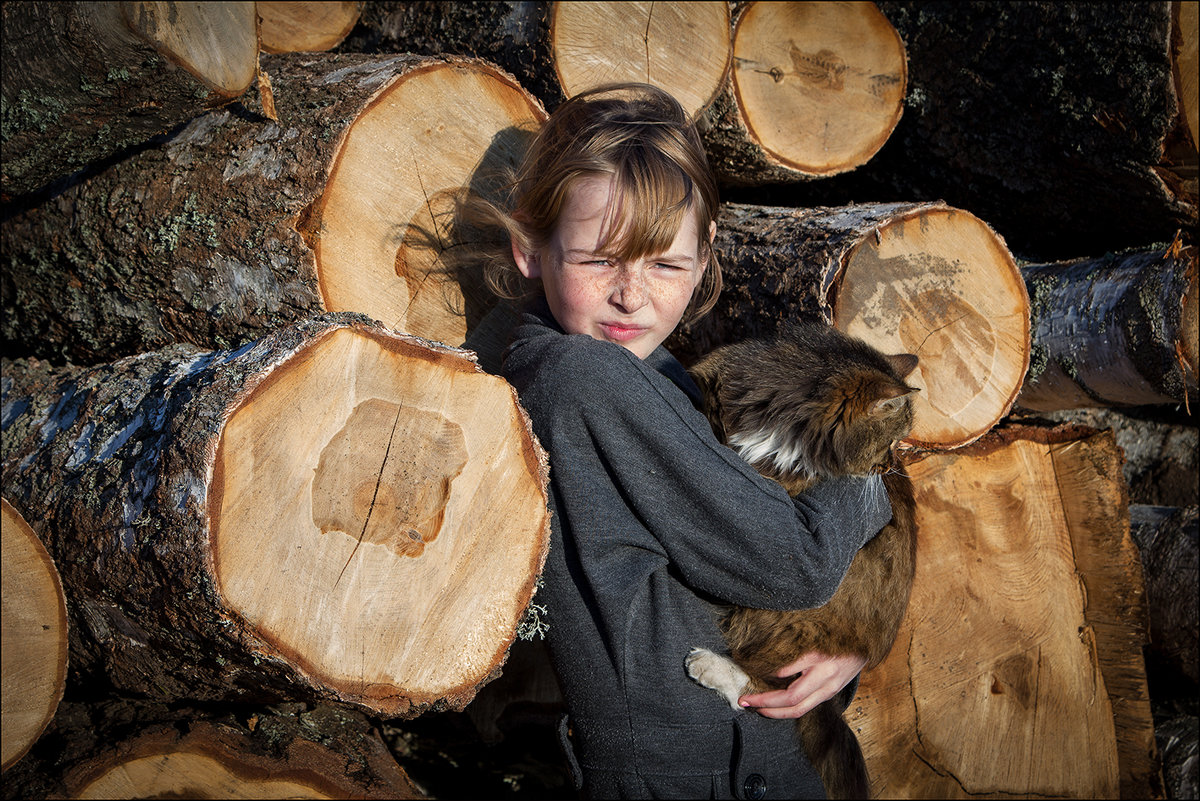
(732, 533)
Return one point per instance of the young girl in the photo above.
(655, 523)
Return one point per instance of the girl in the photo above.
(655, 523)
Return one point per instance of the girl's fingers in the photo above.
(821, 677)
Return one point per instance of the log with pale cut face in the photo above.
(333, 512)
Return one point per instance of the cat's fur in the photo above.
(809, 404)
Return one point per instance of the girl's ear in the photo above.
(528, 263)
(712, 231)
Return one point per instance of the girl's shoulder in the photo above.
(590, 377)
(542, 353)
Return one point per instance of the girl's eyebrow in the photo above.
(672, 257)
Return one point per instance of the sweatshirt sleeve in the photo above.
(728, 531)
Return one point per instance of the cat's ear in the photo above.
(891, 397)
(902, 363)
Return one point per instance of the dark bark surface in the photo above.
(81, 86)
(1167, 537)
(1047, 120)
(513, 34)
(1178, 736)
(200, 240)
(1110, 331)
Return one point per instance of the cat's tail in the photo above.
(833, 751)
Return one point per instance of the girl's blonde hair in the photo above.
(641, 136)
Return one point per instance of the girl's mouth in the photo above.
(616, 332)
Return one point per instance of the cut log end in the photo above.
(643, 43)
(1018, 668)
(399, 486)
(216, 42)
(34, 637)
(300, 27)
(820, 86)
(386, 216)
(213, 760)
(939, 283)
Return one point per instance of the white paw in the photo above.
(718, 673)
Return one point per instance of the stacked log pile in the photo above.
(267, 501)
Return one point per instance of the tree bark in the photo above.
(1167, 538)
(305, 27)
(125, 748)
(239, 224)
(917, 278)
(34, 640)
(513, 34)
(335, 512)
(1120, 330)
(1018, 669)
(85, 81)
(558, 49)
(815, 90)
(1179, 742)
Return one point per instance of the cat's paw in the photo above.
(718, 673)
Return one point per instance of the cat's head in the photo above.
(808, 403)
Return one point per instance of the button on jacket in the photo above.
(655, 524)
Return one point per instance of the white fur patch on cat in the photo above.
(718, 673)
(783, 452)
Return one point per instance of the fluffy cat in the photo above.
(809, 404)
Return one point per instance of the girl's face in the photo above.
(634, 304)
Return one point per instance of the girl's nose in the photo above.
(629, 293)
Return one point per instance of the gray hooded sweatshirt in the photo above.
(655, 525)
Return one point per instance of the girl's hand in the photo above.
(821, 677)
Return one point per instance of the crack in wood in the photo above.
(646, 40)
(378, 480)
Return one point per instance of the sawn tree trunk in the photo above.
(334, 512)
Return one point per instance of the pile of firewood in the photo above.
(232, 283)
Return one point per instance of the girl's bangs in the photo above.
(647, 210)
